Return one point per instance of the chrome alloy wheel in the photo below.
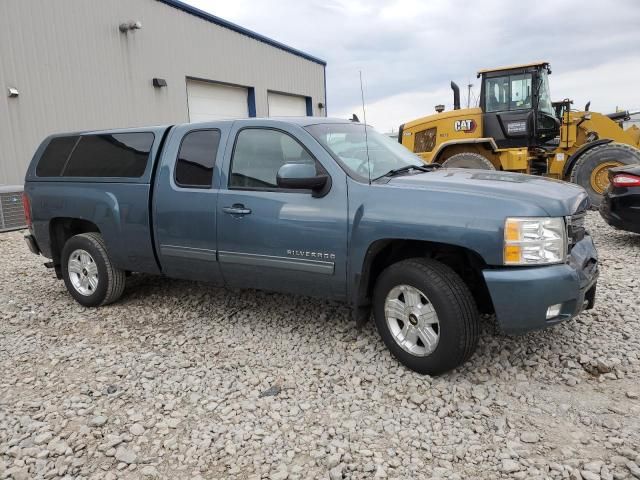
(83, 272)
(412, 320)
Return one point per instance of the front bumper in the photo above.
(621, 209)
(522, 295)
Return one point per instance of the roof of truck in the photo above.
(301, 121)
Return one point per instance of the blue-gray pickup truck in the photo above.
(318, 207)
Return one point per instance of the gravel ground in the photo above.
(181, 380)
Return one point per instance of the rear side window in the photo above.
(196, 158)
(110, 155)
(55, 155)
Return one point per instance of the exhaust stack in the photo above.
(456, 96)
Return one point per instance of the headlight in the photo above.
(534, 241)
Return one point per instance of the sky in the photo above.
(409, 50)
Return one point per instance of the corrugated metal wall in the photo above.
(75, 70)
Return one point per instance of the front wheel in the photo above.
(426, 315)
(88, 273)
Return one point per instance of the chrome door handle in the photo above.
(237, 209)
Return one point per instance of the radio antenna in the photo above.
(366, 138)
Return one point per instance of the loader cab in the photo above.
(516, 106)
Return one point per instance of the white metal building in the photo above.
(70, 65)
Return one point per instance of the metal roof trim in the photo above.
(512, 67)
(241, 30)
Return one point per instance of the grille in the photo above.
(11, 211)
(425, 140)
(576, 227)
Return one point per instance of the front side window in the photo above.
(110, 155)
(259, 154)
(364, 154)
(196, 158)
(509, 92)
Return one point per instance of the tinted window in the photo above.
(55, 156)
(259, 154)
(197, 155)
(110, 155)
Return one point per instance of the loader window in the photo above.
(544, 103)
(510, 92)
(520, 92)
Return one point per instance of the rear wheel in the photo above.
(426, 315)
(88, 274)
(468, 160)
(591, 171)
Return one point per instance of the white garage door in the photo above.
(214, 101)
(281, 105)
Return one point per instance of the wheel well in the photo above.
(62, 229)
(466, 263)
(482, 148)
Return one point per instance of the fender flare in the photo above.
(571, 161)
(444, 145)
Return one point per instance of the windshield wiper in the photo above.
(397, 171)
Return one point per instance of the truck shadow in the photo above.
(185, 307)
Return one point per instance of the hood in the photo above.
(555, 197)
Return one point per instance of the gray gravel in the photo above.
(181, 380)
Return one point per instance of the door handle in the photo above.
(237, 209)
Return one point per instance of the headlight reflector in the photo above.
(534, 241)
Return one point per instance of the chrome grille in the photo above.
(11, 210)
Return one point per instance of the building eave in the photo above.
(241, 30)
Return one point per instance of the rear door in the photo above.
(184, 202)
(276, 239)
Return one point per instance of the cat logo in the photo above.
(467, 126)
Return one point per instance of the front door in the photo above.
(277, 239)
(185, 203)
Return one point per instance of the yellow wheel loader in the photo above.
(518, 128)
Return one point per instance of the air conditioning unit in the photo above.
(11, 210)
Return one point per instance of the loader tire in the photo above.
(592, 168)
(468, 160)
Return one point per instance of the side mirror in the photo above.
(301, 176)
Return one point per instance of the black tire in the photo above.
(468, 160)
(111, 280)
(597, 156)
(453, 303)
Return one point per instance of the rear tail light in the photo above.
(26, 204)
(625, 180)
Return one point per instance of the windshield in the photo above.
(544, 102)
(346, 143)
